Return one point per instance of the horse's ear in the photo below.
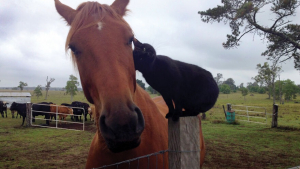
(65, 11)
(120, 6)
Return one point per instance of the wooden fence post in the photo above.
(184, 143)
(228, 107)
(274, 116)
(28, 114)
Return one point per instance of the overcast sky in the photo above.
(32, 38)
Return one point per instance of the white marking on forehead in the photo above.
(100, 25)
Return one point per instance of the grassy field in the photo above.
(238, 145)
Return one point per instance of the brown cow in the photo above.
(61, 110)
(92, 112)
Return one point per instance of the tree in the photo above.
(282, 37)
(231, 83)
(252, 87)
(22, 85)
(261, 90)
(48, 86)
(151, 90)
(241, 85)
(286, 88)
(244, 92)
(140, 82)
(225, 88)
(218, 79)
(71, 87)
(38, 91)
(266, 75)
(290, 90)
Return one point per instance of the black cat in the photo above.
(189, 86)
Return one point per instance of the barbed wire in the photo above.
(146, 156)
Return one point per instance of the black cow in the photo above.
(2, 108)
(5, 108)
(188, 86)
(42, 108)
(13, 112)
(80, 111)
(20, 108)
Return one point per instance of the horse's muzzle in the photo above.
(122, 127)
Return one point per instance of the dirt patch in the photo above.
(237, 156)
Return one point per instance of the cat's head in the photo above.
(143, 54)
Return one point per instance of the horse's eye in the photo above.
(74, 50)
(130, 41)
(144, 49)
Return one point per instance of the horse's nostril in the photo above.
(140, 123)
(104, 128)
(122, 124)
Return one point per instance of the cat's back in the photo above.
(192, 71)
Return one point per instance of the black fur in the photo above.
(42, 108)
(3, 108)
(189, 86)
(20, 108)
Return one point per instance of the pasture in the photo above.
(239, 145)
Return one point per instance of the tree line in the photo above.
(149, 88)
(70, 88)
(267, 81)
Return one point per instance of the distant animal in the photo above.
(43, 109)
(81, 110)
(13, 113)
(191, 87)
(20, 108)
(70, 106)
(92, 112)
(63, 111)
(3, 108)
(129, 123)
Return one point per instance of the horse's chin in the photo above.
(117, 147)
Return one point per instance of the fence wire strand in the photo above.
(148, 157)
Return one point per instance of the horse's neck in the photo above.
(143, 100)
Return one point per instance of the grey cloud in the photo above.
(32, 40)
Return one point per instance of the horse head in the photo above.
(101, 44)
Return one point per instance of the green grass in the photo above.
(249, 145)
(239, 145)
(288, 113)
(35, 147)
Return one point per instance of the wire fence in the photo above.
(128, 162)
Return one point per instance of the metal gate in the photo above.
(56, 120)
(250, 113)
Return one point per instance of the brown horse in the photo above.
(129, 123)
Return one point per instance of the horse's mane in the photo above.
(85, 10)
